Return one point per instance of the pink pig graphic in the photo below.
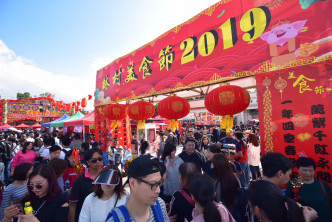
(280, 34)
(282, 41)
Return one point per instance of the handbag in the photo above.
(326, 194)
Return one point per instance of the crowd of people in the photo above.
(63, 178)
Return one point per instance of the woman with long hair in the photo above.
(26, 155)
(182, 204)
(268, 203)
(254, 156)
(204, 143)
(15, 191)
(210, 151)
(172, 164)
(225, 181)
(108, 194)
(202, 190)
(45, 197)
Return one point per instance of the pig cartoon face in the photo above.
(280, 35)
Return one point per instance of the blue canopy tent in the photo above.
(64, 117)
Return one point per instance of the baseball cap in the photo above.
(142, 166)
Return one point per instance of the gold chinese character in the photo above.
(117, 77)
(291, 75)
(106, 83)
(167, 57)
(302, 82)
(226, 98)
(131, 72)
(145, 66)
(319, 89)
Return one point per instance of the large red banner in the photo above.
(231, 39)
(295, 112)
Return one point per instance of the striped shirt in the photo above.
(12, 193)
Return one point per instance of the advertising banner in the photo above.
(295, 112)
(231, 39)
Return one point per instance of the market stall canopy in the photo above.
(22, 125)
(62, 118)
(6, 126)
(84, 121)
(77, 115)
(37, 125)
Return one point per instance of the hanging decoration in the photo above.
(173, 108)
(141, 111)
(226, 101)
(115, 112)
(89, 97)
(83, 102)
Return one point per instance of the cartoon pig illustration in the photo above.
(282, 41)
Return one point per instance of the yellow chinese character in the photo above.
(117, 77)
(131, 72)
(302, 82)
(167, 57)
(291, 75)
(145, 66)
(106, 83)
(319, 89)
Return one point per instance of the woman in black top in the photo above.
(45, 196)
(181, 204)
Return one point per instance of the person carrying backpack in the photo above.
(6, 155)
(144, 180)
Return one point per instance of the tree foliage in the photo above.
(46, 94)
(23, 95)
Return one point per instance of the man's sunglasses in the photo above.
(37, 187)
(154, 186)
(95, 160)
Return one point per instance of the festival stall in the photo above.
(36, 126)
(62, 118)
(87, 120)
(60, 123)
(5, 126)
(22, 126)
(286, 45)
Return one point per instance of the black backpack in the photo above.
(5, 151)
(241, 209)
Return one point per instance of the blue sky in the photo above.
(61, 44)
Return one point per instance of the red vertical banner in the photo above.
(295, 111)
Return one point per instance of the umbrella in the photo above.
(36, 125)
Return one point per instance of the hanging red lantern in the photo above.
(78, 103)
(173, 108)
(226, 101)
(68, 108)
(141, 111)
(73, 104)
(115, 112)
(84, 102)
(89, 97)
(79, 109)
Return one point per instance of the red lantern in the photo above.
(89, 97)
(84, 102)
(78, 103)
(68, 108)
(115, 112)
(227, 101)
(173, 108)
(141, 111)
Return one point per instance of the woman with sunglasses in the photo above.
(45, 197)
(83, 185)
(27, 155)
(108, 193)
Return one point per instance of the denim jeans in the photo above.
(160, 153)
(255, 172)
(6, 173)
(245, 176)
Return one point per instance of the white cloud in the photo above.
(19, 74)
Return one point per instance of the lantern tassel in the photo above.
(227, 122)
(114, 124)
(141, 124)
(174, 125)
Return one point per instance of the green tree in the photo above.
(46, 94)
(23, 95)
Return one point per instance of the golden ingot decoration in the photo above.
(303, 136)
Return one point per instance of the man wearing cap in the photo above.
(144, 180)
(190, 154)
